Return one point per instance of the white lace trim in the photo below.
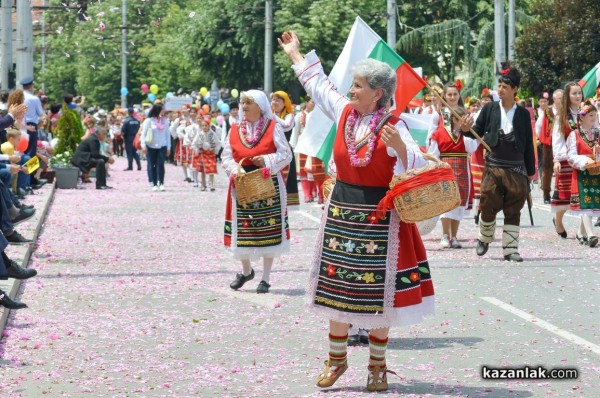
(391, 266)
(402, 316)
(250, 253)
(585, 212)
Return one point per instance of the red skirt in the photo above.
(182, 154)
(562, 184)
(205, 162)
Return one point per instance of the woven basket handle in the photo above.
(239, 169)
(432, 158)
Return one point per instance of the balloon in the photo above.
(225, 109)
(144, 88)
(151, 97)
(205, 108)
(235, 93)
(203, 91)
(154, 89)
(213, 120)
(220, 120)
(22, 145)
(220, 103)
(124, 91)
(169, 94)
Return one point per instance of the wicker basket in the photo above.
(593, 168)
(252, 186)
(328, 187)
(419, 202)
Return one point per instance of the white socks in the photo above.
(246, 267)
(267, 265)
(510, 239)
(486, 231)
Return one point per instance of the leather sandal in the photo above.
(377, 378)
(330, 374)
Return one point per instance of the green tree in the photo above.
(69, 130)
(561, 46)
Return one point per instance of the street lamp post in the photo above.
(124, 54)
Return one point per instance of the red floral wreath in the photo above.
(504, 71)
(459, 85)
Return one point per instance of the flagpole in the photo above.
(456, 115)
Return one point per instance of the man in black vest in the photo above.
(88, 156)
(129, 129)
(506, 128)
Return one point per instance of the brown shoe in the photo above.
(330, 374)
(377, 378)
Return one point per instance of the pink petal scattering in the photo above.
(132, 299)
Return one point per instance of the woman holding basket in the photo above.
(369, 269)
(260, 228)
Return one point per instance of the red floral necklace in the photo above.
(350, 134)
(256, 134)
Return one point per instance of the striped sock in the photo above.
(377, 349)
(337, 349)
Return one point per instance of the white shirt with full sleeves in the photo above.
(286, 123)
(273, 161)
(576, 160)
(332, 103)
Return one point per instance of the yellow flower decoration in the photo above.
(272, 221)
(369, 277)
(335, 211)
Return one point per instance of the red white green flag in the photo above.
(362, 43)
(590, 82)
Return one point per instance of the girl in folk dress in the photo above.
(182, 155)
(564, 124)
(582, 147)
(283, 113)
(208, 146)
(369, 268)
(259, 229)
(192, 131)
(450, 146)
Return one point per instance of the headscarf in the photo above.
(261, 100)
(287, 103)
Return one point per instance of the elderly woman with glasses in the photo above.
(369, 269)
(259, 229)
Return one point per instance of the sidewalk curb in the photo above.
(24, 258)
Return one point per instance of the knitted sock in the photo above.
(267, 265)
(587, 225)
(338, 347)
(195, 176)
(377, 349)
(185, 172)
(510, 239)
(486, 231)
(246, 267)
(211, 180)
(203, 179)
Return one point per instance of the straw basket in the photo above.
(427, 192)
(593, 168)
(328, 187)
(252, 186)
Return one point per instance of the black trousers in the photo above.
(100, 172)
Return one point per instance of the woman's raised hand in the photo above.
(290, 43)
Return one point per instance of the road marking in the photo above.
(310, 216)
(547, 208)
(250, 295)
(543, 324)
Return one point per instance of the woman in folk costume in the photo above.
(583, 149)
(564, 124)
(259, 229)
(369, 269)
(283, 113)
(450, 146)
(434, 109)
(208, 145)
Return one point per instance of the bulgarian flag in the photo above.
(362, 43)
(418, 126)
(590, 81)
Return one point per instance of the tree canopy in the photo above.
(185, 44)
